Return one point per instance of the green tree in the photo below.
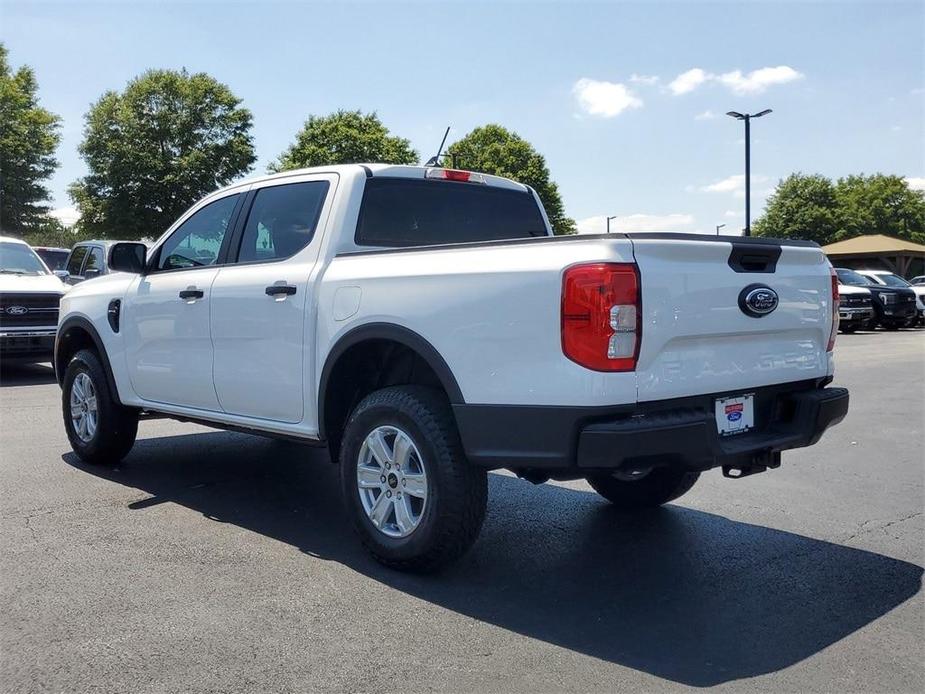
(495, 150)
(344, 137)
(28, 140)
(50, 232)
(880, 204)
(802, 207)
(155, 148)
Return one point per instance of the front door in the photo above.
(261, 300)
(166, 312)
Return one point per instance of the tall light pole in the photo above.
(608, 222)
(718, 227)
(747, 117)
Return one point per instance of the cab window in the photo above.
(76, 260)
(94, 261)
(196, 242)
(282, 221)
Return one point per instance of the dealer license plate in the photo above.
(735, 415)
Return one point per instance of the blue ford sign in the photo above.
(757, 300)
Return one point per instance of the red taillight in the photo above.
(601, 313)
(835, 301)
(454, 175)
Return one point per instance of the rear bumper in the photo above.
(679, 432)
(690, 438)
(32, 345)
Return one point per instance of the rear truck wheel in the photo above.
(645, 490)
(414, 499)
(100, 429)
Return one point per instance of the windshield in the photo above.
(54, 258)
(853, 278)
(892, 280)
(19, 259)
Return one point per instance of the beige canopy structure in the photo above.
(878, 252)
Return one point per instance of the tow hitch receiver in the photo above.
(760, 463)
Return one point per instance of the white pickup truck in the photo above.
(425, 326)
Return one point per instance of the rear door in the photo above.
(261, 303)
(698, 338)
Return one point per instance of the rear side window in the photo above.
(282, 221)
(412, 212)
(76, 260)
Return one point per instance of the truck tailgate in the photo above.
(695, 337)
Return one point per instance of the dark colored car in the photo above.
(55, 258)
(894, 307)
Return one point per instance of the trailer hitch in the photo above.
(763, 461)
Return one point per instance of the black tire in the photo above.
(659, 486)
(457, 492)
(117, 425)
(891, 326)
(849, 328)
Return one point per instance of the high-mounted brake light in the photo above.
(455, 175)
(835, 303)
(601, 316)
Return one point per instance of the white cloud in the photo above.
(732, 214)
(68, 216)
(734, 184)
(605, 99)
(916, 183)
(757, 81)
(688, 81)
(738, 82)
(727, 185)
(648, 80)
(706, 115)
(635, 222)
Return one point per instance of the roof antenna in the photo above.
(435, 161)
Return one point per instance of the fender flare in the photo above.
(393, 333)
(84, 324)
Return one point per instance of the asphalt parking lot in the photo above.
(213, 561)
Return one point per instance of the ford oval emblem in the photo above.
(17, 310)
(757, 300)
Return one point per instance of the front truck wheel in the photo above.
(101, 430)
(656, 487)
(412, 496)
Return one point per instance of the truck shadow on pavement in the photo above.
(684, 595)
(13, 374)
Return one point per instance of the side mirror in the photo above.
(62, 275)
(128, 257)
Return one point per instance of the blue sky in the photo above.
(625, 100)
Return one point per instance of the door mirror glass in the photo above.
(62, 275)
(128, 257)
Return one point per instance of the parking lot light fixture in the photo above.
(718, 227)
(747, 117)
(608, 222)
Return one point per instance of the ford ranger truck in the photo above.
(426, 326)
